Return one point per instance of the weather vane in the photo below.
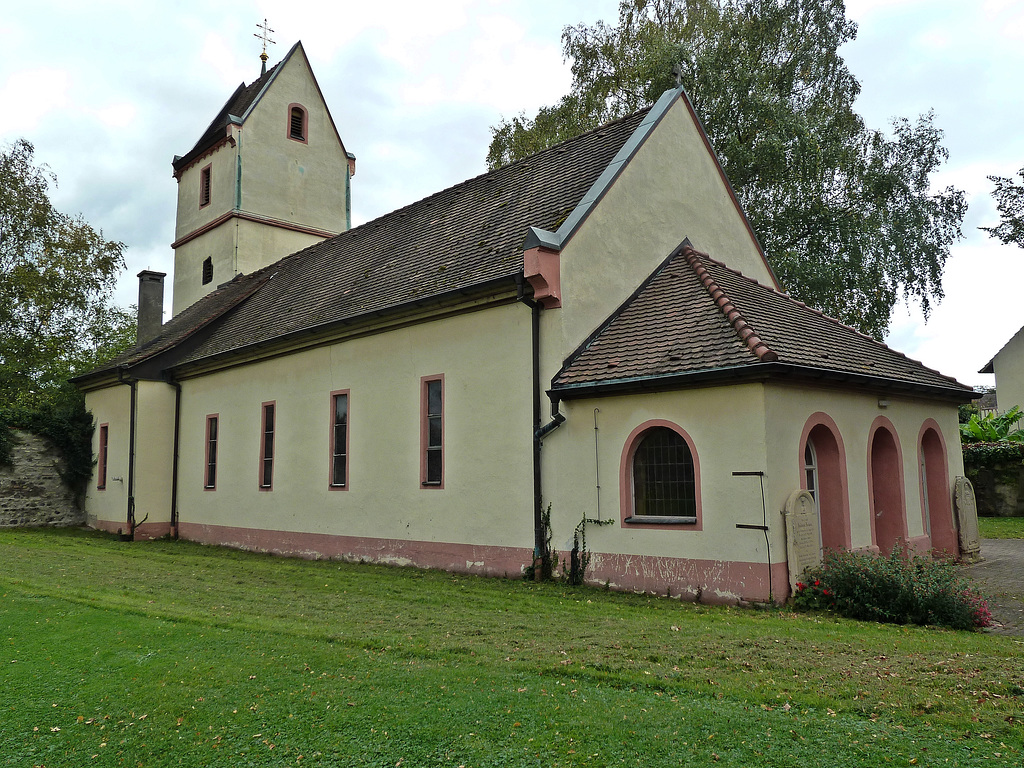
(263, 35)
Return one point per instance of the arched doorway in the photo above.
(936, 499)
(885, 465)
(824, 477)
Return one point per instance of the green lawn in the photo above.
(1001, 527)
(168, 653)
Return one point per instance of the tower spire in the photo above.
(263, 35)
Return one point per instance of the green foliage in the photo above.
(845, 214)
(898, 589)
(1010, 204)
(57, 275)
(984, 455)
(993, 428)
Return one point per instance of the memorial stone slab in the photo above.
(803, 537)
(967, 520)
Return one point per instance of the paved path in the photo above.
(1001, 577)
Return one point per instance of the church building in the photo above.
(584, 352)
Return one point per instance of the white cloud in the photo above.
(29, 97)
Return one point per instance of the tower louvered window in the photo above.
(297, 124)
(204, 186)
(208, 270)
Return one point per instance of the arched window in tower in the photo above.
(208, 270)
(298, 124)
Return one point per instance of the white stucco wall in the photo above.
(488, 491)
(670, 190)
(108, 508)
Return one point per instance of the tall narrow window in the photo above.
(432, 432)
(297, 123)
(210, 477)
(339, 439)
(208, 270)
(267, 448)
(101, 462)
(204, 186)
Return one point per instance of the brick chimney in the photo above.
(151, 304)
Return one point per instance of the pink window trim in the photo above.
(881, 422)
(206, 185)
(939, 496)
(273, 458)
(206, 453)
(330, 440)
(101, 458)
(820, 419)
(305, 123)
(626, 478)
(424, 380)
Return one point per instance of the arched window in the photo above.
(664, 483)
(298, 124)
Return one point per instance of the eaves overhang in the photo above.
(760, 372)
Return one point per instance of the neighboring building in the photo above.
(1008, 367)
(592, 332)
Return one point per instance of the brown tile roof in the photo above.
(237, 104)
(465, 236)
(186, 324)
(461, 238)
(695, 317)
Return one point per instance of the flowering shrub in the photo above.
(899, 589)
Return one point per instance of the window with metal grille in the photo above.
(339, 439)
(664, 483)
(101, 462)
(210, 479)
(208, 270)
(432, 433)
(204, 186)
(267, 448)
(297, 124)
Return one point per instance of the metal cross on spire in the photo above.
(264, 36)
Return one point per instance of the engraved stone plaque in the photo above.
(803, 537)
(967, 520)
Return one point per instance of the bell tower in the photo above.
(268, 177)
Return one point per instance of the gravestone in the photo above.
(803, 536)
(967, 520)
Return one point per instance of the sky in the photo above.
(109, 91)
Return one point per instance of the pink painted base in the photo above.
(707, 581)
(144, 532)
(458, 558)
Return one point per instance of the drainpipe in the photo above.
(132, 408)
(174, 458)
(541, 556)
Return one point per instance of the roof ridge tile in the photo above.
(829, 318)
(745, 330)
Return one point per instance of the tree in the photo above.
(57, 275)
(845, 214)
(1010, 204)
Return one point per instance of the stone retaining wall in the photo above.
(32, 491)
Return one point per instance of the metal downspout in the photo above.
(174, 458)
(132, 409)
